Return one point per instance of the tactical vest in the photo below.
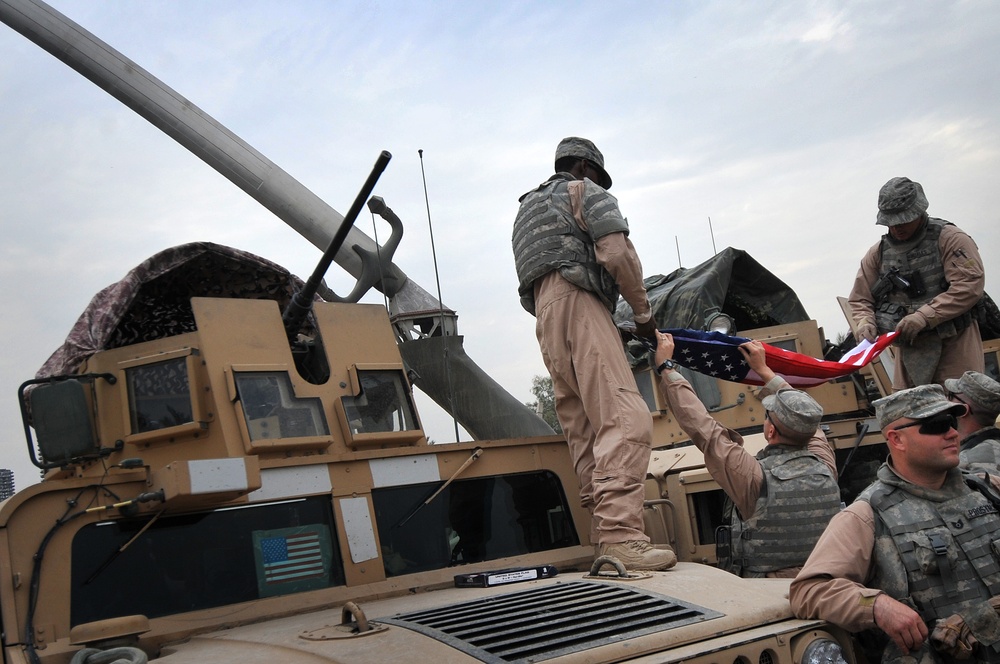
(981, 451)
(546, 237)
(937, 551)
(918, 261)
(798, 498)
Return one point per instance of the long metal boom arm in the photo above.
(200, 133)
(439, 365)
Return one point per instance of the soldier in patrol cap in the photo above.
(922, 279)
(784, 496)
(978, 428)
(573, 259)
(912, 562)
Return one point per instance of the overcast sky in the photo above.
(779, 121)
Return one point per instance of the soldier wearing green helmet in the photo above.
(573, 259)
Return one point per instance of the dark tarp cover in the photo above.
(731, 282)
(153, 300)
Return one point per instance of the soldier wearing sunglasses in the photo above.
(913, 563)
(980, 450)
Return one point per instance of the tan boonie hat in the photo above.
(915, 403)
(900, 201)
(979, 389)
(581, 148)
(795, 410)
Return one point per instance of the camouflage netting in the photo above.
(154, 299)
(731, 282)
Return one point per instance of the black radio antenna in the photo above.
(437, 279)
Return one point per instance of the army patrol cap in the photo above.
(795, 410)
(916, 403)
(581, 148)
(979, 389)
(900, 201)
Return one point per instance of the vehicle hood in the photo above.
(569, 618)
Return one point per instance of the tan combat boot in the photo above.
(638, 555)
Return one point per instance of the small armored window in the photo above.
(382, 404)
(273, 411)
(786, 344)
(993, 364)
(159, 395)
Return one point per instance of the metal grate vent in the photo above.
(538, 624)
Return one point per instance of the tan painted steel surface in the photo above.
(235, 336)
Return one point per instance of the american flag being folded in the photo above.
(718, 355)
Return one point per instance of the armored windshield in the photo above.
(199, 561)
(471, 520)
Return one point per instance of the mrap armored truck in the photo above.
(213, 493)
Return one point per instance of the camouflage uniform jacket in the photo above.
(919, 261)
(981, 451)
(860, 555)
(556, 228)
(962, 273)
(798, 497)
(936, 550)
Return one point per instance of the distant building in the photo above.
(6, 483)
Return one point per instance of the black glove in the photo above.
(647, 329)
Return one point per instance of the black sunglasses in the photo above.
(933, 426)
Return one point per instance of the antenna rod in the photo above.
(678, 244)
(437, 279)
(712, 233)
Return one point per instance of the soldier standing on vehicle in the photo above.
(922, 279)
(573, 257)
(783, 497)
(917, 546)
(977, 429)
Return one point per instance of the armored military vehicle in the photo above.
(235, 469)
(209, 496)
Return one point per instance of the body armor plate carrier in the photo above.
(798, 498)
(913, 275)
(947, 543)
(547, 237)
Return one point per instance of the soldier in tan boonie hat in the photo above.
(797, 413)
(916, 403)
(978, 390)
(923, 279)
(900, 201)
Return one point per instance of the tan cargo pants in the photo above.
(606, 422)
